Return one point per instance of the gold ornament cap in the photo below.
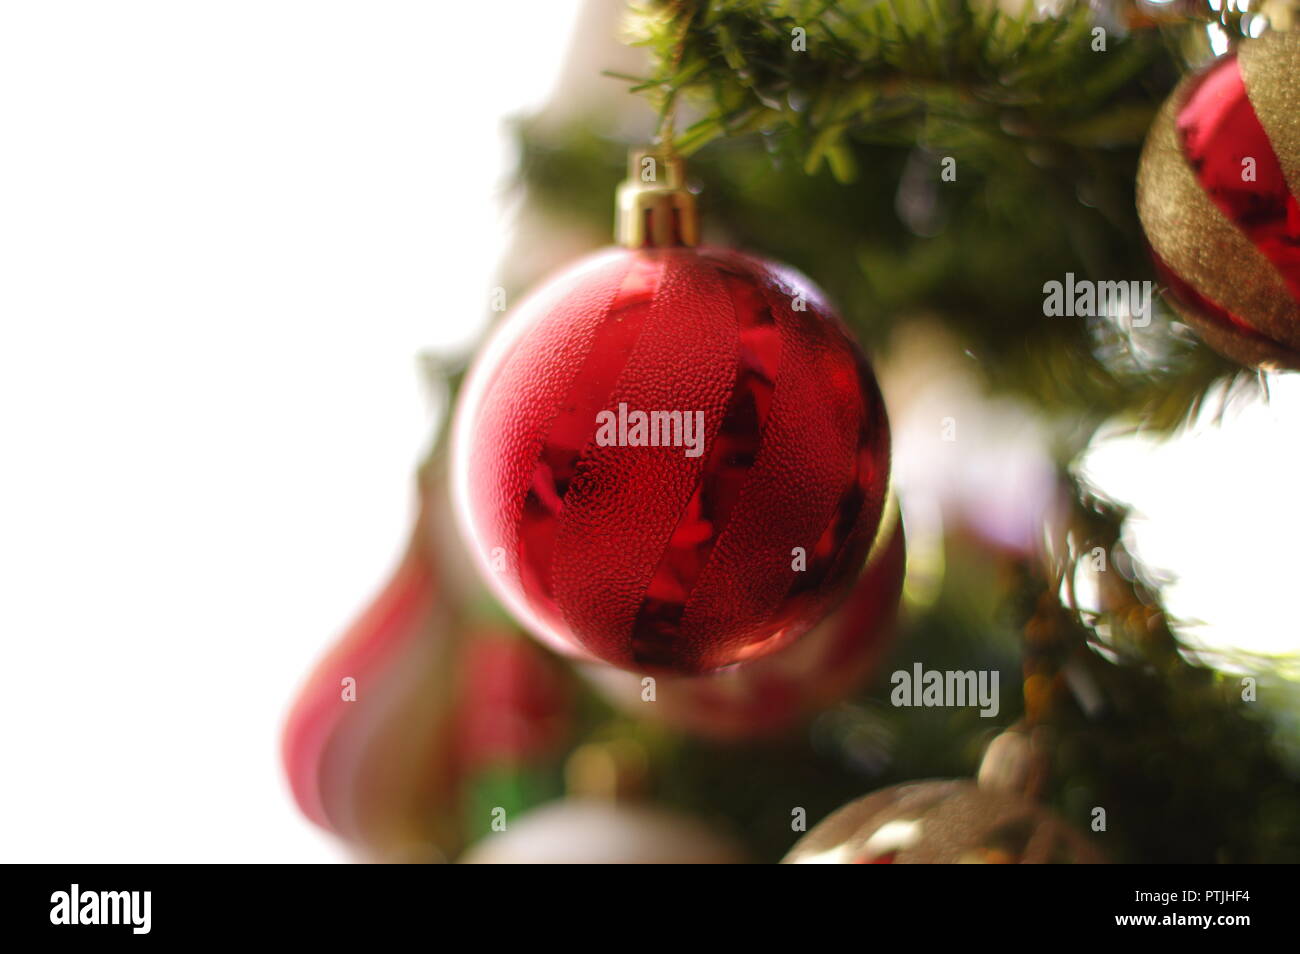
(654, 208)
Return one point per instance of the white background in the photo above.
(226, 232)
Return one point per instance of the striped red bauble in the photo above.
(1217, 194)
(671, 457)
(770, 697)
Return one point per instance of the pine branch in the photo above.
(1045, 131)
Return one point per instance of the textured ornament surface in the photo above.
(772, 694)
(677, 557)
(943, 822)
(1217, 191)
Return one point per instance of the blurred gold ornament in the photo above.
(1015, 762)
(943, 822)
(1280, 14)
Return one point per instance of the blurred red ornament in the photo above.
(515, 705)
(412, 704)
(715, 531)
(364, 746)
(773, 693)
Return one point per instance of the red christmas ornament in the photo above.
(671, 457)
(365, 745)
(771, 695)
(515, 705)
(414, 703)
(1217, 193)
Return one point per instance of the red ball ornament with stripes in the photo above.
(682, 548)
(1217, 194)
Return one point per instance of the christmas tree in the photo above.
(981, 188)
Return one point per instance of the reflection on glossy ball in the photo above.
(671, 459)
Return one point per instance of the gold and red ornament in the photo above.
(770, 695)
(943, 822)
(1217, 192)
(671, 457)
